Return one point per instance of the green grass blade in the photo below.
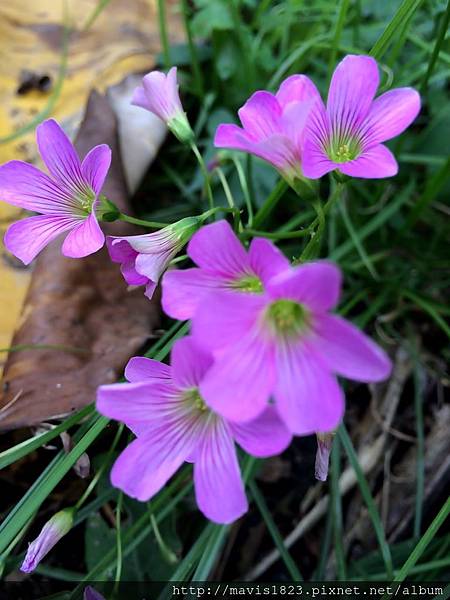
(430, 309)
(335, 506)
(420, 450)
(211, 552)
(443, 27)
(368, 498)
(404, 12)
(343, 8)
(357, 241)
(274, 532)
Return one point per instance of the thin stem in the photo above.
(118, 541)
(245, 190)
(192, 49)
(336, 508)
(163, 33)
(437, 47)
(229, 196)
(165, 550)
(205, 173)
(142, 222)
(270, 203)
(337, 34)
(282, 235)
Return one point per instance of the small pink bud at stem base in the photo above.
(324, 444)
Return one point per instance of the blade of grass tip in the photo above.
(368, 499)
(20, 450)
(357, 241)
(432, 189)
(430, 533)
(163, 33)
(443, 26)
(274, 532)
(45, 484)
(48, 108)
(420, 448)
(343, 8)
(429, 308)
(404, 12)
(95, 13)
(335, 506)
(375, 223)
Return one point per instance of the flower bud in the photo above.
(55, 529)
(324, 444)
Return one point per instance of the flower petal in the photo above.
(21, 184)
(390, 114)
(141, 369)
(26, 238)
(146, 465)
(316, 284)
(224, 317)
(264, 436)
(95, 166)
(307, 396)
(85, 239)
(261, 115)
(189, 363)
(183, 290)
(315, 162)
(217, 249)
(219, 490)
(59, 155)
(139, 98)
(348, 351)
(143, 402)
(120, 251)
(297, 88)
(266, 260)
(375, 163)
(352, 90)
(239, 384)
(162, 94)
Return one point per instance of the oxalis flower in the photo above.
(159, 94)
(55, 529)
(144, 258)
(223, 264)
(173, 424)
(283, 344)
(347, 135)
(274, 126)
(66, 201)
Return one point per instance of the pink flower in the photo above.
(144, 258)
(159, 94)
(164, 408)
(67, 200)
(284, 344)
(55, 529)
(347, 135)
(223, 264)
(274, 126)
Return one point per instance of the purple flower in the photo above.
(144, 258)
(159, 94)
(223, 264)
(164, 408)
(66, 201)
(284, 344)
(55, 529)
(347, 135)
(274, 126)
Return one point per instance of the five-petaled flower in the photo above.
(347, 135)
(223, 264)
(159, 94)
(144, 258)
(163, 406)
(284, 344)
(274, 126)
(66, 201)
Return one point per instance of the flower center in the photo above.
(287, 318)
(344, 150)
(86, 199)
(195, 400)
(249, 283)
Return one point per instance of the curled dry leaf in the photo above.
(81, 307)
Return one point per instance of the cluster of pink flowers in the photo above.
(264, 351)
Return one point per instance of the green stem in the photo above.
(245, 190)
(142, 222)
(164, 548)
(163, 33)
(192, 49)
(282, 235)
(205, 173)
(270, 203)
(118, 543)
(229, 196)
(337, 35)
(437, 47)
(336, 508)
